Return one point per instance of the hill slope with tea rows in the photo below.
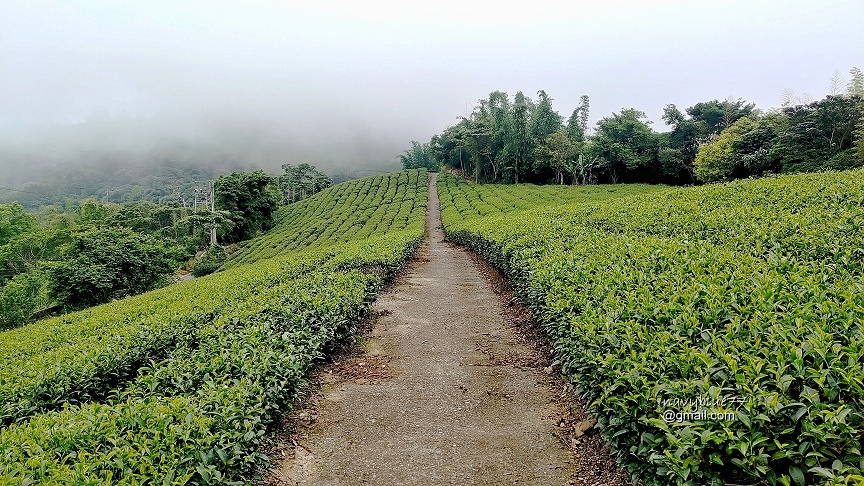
(716, 331)
(179, 385)
(382, 207)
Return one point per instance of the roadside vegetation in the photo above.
(180, 385)
(742, 298)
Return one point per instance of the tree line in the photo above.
(90, 251)
(516, 140)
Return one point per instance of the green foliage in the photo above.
(180, 385)
(856, 83)
(503, 141)
(102, 264)
(391, 206)
(300, 182)
(497, 142)
(246, 197)
(419, 156)
(803, 138)
(815, 133)
(750, 289)
(199, 415)
(577, 124)
(544, 120)
(517, 142)
(626, 146)
(847, 159)
(719, 160)
(559, 152)
(13, 222)
(27, 250)
(715, 161)
(20, 298)
(48, 241)
(210, 262)
(859, 143)
(712, 117)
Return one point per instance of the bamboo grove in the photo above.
(513, 140)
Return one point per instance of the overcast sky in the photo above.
(336, 80)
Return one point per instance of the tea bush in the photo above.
(743, 299)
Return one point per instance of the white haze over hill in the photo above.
(348, 84)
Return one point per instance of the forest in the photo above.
(525, 140)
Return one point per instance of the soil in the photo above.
(452, 383)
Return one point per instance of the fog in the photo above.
(346, 86)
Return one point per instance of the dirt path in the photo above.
(440, 395)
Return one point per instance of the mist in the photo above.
(347, 86)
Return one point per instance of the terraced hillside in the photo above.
(715, 331)
(381, 207)
(179, 386)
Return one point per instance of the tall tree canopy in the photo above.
(524, 140)
(301, 181)
(101, 264)
(249, 202)
(13, 222)
(626, 147)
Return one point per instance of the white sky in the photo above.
(374, 75)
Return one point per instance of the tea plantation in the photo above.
(715, 331)
(179, 385)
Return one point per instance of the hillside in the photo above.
(716, 331)
(372, 208)
(180, 385)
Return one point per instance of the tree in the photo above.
(477, 143)
(856, 83)
(13, 222)
(210, 261)
(626, 147)
(716, 116)
(681, 144)
(544, 120)
(500, 122)
(520, 141)
(716, 160)
(102, 264)
(859, 143)
(753, 147)
(25, 252)
(450, 147)
(558, 152)
(246, 197)
(814, 134)
(19, 299)
(417, 156)
(701, 124)
(577, 124)
(301, 181)
(836, 86)
(789, 98)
